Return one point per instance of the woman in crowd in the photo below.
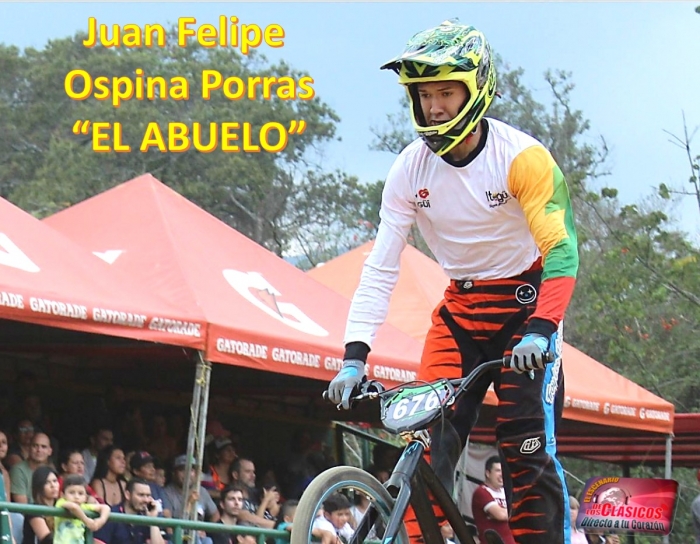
(577, 535)
(16, 519)
(219, 475)
(109, 481)
(39, 529)
(73, 462)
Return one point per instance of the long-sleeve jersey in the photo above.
(490, 219)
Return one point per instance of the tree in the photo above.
(45, 167)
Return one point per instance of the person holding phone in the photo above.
(137, 501)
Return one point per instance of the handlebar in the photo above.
(372, 389)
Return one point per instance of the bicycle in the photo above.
(409, 410)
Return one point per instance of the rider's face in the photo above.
(441, 101)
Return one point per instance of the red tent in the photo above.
(261, 312)
(47, 279)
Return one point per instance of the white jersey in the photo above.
(477, 219)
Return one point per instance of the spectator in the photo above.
(44, 491)
(137, 502)
(143, 466)
(489, 506)
(245, 538)
(286, 517)
(596, 536)
(161, 478)
(71, 462)
(4, 446)
(71, 530)
(577, 535)
(99, 440)
(231, 503)
(16, 519)
(220, 471)
(254, 510)
(358, 509)
(173, 493)
(335, 517)
(19, 450)
(21, 473)
(108, 481)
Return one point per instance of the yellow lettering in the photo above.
(98, 136)
(274, 35)
(177, 137)
(68, 84)
(211, 81)
(307, 92)
(153, 138)
(183, 30)
(197, 137)
(227, 136)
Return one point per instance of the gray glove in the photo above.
(341, 387)
(530, 353)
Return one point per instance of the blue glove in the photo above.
(530, 353)
(341, 387)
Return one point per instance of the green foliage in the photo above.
(272, 198)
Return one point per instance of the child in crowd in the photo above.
(75, 500)
(335, 518)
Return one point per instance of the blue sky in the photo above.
(635, 66)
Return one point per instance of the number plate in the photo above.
(415, 407)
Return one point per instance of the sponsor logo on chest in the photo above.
(422, 200)
(495, 199)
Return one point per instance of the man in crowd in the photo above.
(489, 503)
(21, 473)
(173, 493)
(143, 466)
(231, 504)
(137, 502)
(254, 509)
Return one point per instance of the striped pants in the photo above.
(483, 320)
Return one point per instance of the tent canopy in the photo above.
(260, 311)
(47, 279)
(606, 416)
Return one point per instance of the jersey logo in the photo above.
(422, 198)
(496, 199)
(525, 294)
(530, 445)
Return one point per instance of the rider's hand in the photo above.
(350, 376)
(530, 353)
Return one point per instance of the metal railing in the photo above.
(179, 526)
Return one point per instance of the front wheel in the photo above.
(353, 483)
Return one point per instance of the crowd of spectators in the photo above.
(136, 464)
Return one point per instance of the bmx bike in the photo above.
(408, 410)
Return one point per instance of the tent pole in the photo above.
(667, 467)
(196, 436)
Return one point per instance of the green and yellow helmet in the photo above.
(449, 52)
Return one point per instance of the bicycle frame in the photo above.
(413, 479)
(410, 483)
